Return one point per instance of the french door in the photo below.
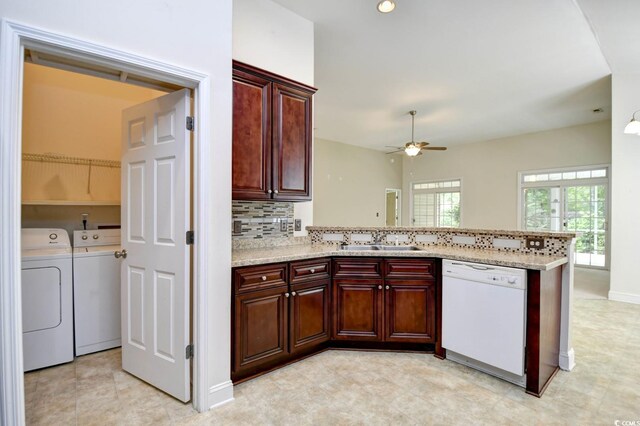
(572, 205)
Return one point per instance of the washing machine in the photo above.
(96, 290)
(47, 299)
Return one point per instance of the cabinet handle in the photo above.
(264, 278)
(269, 191)
(387, 287)
(275, 191)
(286, 295)
(313, 271)
(379, 287)
(293, 293)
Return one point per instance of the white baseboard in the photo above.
(567, 360)
(220, 394)
(624, 297)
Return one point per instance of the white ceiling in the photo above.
(473, 70)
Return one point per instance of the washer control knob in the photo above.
(96, 236)
(84, 237)
(53, 236)
(511, 280)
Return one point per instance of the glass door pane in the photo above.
(541, 210)
(586, 215)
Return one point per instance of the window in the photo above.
(574, 200)
(436, 204)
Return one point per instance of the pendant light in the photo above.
(633, 128)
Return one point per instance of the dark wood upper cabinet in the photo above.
(251, 159)
(272, 136)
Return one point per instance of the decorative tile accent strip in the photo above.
(401, 238)
(463, 239)
(362, 238)
(262, 219)
(556, 243)
(505, 243)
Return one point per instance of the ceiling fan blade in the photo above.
(422, 144)
(394, 147)
(436, 148)
(395, 152)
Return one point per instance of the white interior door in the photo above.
(155, 219)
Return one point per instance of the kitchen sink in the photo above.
(369, 247)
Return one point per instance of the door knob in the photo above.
(120, 254)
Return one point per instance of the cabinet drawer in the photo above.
(410, 268)
(357, 268)
(260, 277)
(308, 270)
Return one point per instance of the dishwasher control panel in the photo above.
(488, 274)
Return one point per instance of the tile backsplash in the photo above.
(262, 219)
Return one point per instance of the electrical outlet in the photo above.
(283, 225)
(237, 227)
(297, 225)
(535, 243)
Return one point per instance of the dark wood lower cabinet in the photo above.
(357, 309)
(410, 311)
(310, 315)
(260, 329)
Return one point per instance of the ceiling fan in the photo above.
(414, 148)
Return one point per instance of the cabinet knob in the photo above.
(264, 278)
(286, 295)
(269, 191)
(275, 191)
(313, 271)
(387, 287)
(379, 287)
(293, 293)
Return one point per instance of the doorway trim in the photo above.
(14, 37)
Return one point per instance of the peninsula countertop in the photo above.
(259, 256)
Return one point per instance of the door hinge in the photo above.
(190, 123)
(190, 238)
(188, 352)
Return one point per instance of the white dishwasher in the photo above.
(484, 318)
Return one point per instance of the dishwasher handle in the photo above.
(476, 267)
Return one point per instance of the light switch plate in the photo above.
(297, 225)
(283, 225)
(237, 227)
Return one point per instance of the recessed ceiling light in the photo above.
(386, 6)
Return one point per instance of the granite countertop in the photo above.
(246, 257)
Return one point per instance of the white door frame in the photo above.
(14, 37)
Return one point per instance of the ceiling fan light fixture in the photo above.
(633, 128)
(386, 6)
(412, 150)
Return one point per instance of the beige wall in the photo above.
(273, 38)
(350, 182)
(79, 116)
(489, 170)
(625, 191)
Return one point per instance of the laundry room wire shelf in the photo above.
(58, 158)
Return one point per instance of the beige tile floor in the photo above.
(347, 387)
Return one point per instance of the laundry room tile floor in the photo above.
(349, 387)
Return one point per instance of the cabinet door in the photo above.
(357, 308)
(260, 329)
(291, 143)
(251, 159)
(410, 311)
(309, 317)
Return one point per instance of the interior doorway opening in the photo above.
(392, 206)
(71, 180)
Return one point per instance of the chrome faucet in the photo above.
(377, 238)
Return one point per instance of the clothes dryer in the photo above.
(47, 300)
(96, 284)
